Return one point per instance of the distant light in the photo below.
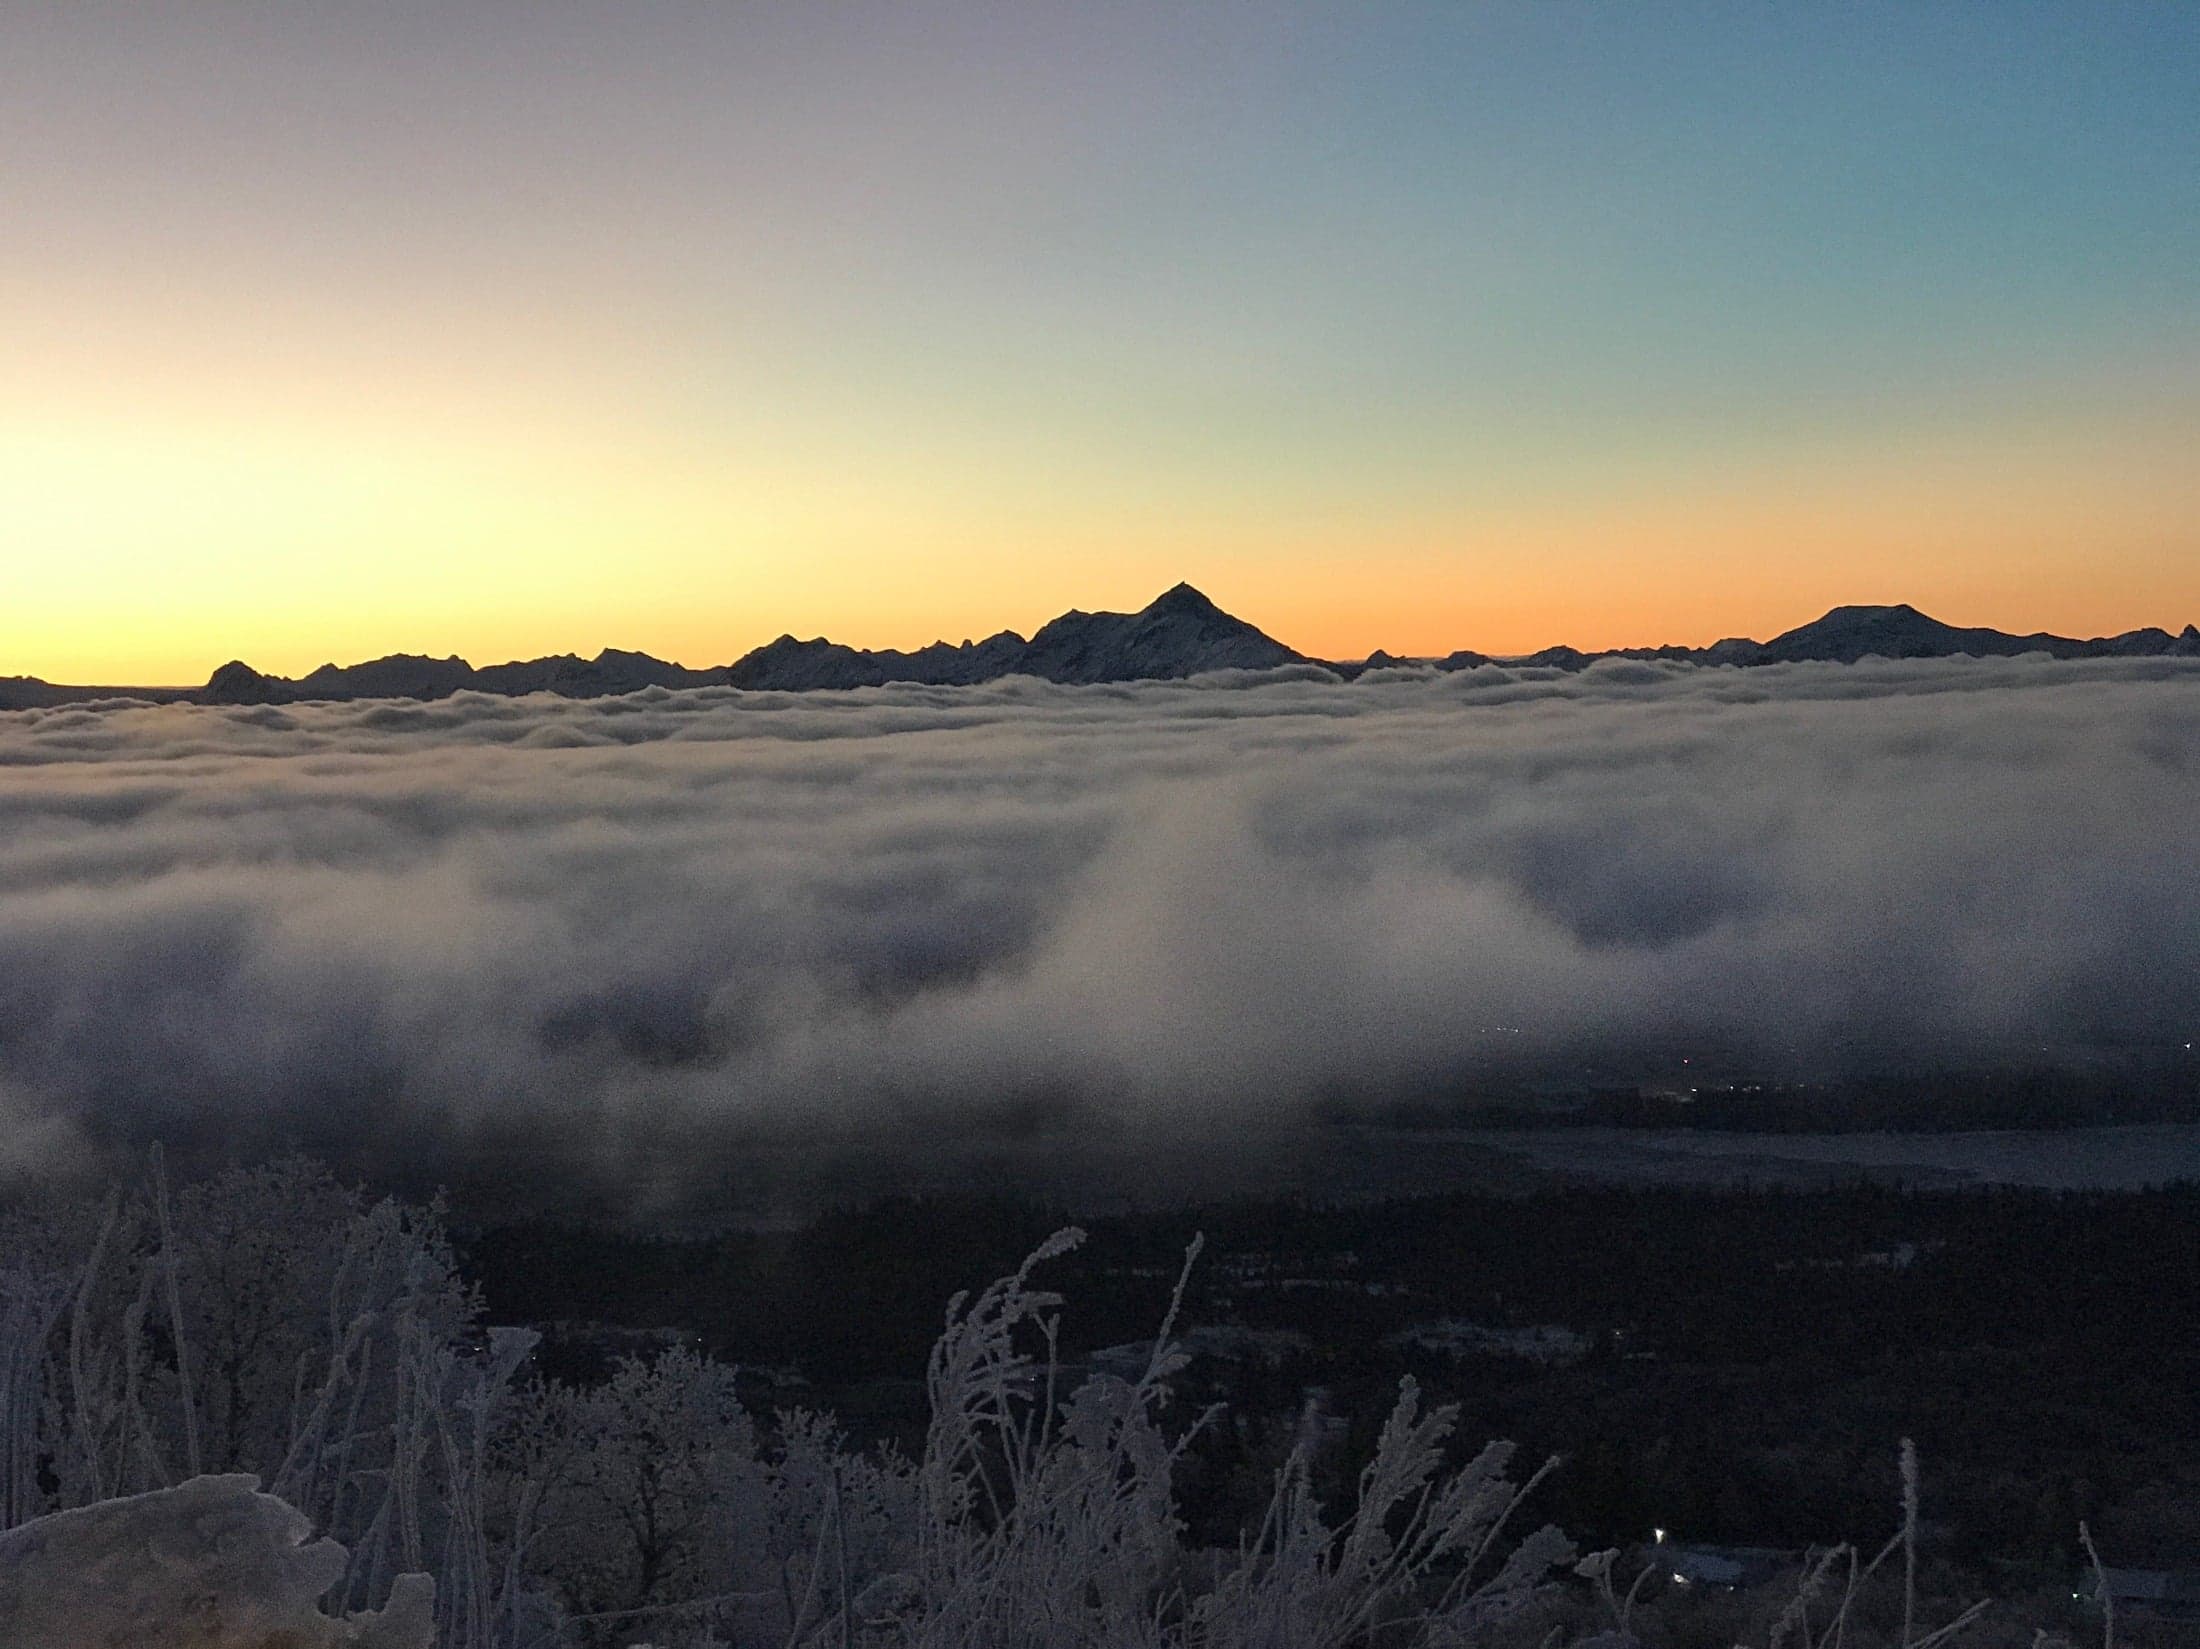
(1679, 1579)
(1659, 1535)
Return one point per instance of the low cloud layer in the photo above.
(588, 928)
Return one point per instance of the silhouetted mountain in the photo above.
(31, 693)
(27, 693)
(1382, 659)
(399, 676)
(611, 672)
(413, 676)
(788, 665)
(1847, 634)
(1561, 657)
(1181, 633)
(238, 683)
(1734, 650)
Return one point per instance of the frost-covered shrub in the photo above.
(1051, 1521)
(626, 1480)
(266, 1320)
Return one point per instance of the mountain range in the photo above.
(1181, 633)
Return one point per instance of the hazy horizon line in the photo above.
(473, 657)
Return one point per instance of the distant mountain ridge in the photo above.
(1847, 635)
(1180, 633)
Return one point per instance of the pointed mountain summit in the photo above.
(1180, 633)
(1184, 598)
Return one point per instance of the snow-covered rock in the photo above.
(209, 1564)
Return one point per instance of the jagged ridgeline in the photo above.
(1180, 633)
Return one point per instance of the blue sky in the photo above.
(488, 327)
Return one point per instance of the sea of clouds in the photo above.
(645, 926)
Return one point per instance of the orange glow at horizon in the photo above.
(334, 332)
(537, 581)
(163, 516)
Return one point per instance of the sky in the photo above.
(507, 329)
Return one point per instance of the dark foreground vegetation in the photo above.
(1253, 1426)
(1732, 1366)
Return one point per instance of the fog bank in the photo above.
(616, 931)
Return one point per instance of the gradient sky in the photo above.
(503, 329)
